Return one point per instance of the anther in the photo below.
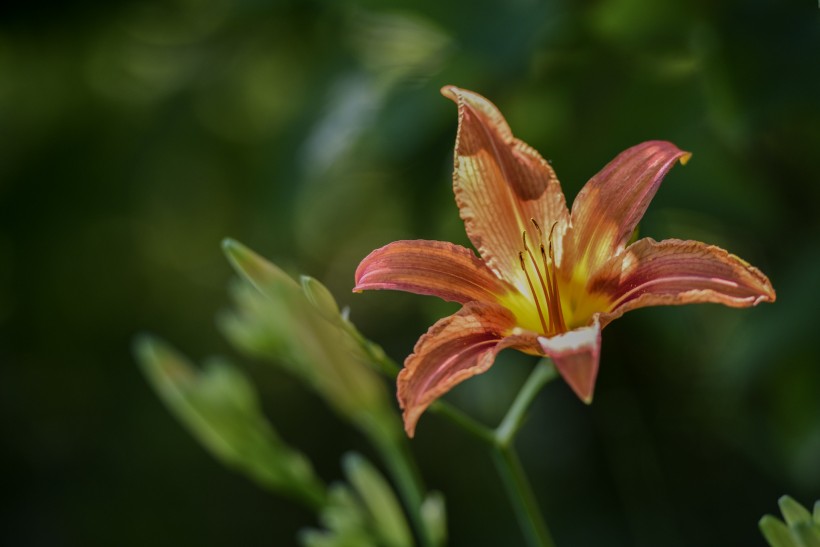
(537, 227)
(552, 229)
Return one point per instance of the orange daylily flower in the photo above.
(547, 280)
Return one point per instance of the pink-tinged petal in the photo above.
(609, 207)
(454, 349)
(674, 272)
(437, 268)
(576, 355)
(500, 184)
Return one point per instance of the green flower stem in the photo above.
(522, 497)
(481, 432)
(543, 373)
(499, 440)
(509, 466)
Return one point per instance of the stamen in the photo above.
(547, 296)
(559, 311)
(552, 299)
(548, 280)
(529, 282)
(552, 229)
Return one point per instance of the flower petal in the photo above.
(501, 183)
(454, 349)
(438, 268)
(576, 355)
(609, 207)
(673, 272)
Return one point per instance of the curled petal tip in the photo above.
(769, 296)
(450, 91)
(684, 159)
(766, 291)
(410, 421)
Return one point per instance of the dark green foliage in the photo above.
(137, 135)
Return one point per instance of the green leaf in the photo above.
(377, 496)
(817, 511)
(776, 532)
(792, 511)
(219, 406)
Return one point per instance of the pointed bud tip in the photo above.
(321, 297)
(232, 248)
(228, 244)
(144, 346)
(684, 159)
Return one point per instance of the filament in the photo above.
(548, 280)
(532, 290)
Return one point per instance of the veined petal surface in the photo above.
(455, 348)
(609, 207)
(674, 272)
(437, 268)
(576, 355)
(500, 184)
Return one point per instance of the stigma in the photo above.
(547, 299)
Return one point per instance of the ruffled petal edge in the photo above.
(454, 349)
(676, 272)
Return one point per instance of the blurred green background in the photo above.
(136, 135)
